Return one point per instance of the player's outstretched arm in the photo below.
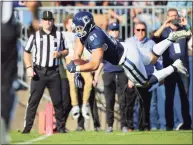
(95, 60)
(97, 73)
(78, 49)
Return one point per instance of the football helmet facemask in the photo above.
(83, 22)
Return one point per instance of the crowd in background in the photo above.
(167, 107)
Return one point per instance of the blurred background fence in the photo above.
(152, 15)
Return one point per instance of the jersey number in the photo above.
(92, 37)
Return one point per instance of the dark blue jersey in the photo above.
(97, 38)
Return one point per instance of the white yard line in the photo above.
(35, 140)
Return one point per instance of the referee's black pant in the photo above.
(50, 78)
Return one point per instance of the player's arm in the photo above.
(97, 73)
(78, 49)
(93, 64)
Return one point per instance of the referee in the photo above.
(46, 47)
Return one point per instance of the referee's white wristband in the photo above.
(77, 68)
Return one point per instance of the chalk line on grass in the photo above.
(34, 140)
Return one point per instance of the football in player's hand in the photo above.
(79, 61)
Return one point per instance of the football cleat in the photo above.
(178, 65)
(75, 112)
(176, 36)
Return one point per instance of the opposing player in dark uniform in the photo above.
(102, 46)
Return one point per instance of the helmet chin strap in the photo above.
(92, 27)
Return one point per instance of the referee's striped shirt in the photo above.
(42, 46)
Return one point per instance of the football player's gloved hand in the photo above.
(78, 80)
(71, 67)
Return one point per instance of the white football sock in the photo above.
(160, 47)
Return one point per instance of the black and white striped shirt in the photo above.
(42, 46)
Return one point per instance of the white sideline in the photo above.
(35, 140)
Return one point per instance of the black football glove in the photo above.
(78, 80)
(71, 67)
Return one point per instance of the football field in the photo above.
(101, 137)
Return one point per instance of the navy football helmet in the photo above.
(83, 22)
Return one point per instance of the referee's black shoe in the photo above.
(26, 131)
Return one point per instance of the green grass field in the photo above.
(117, 137)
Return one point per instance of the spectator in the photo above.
(64, 3)
(160, 3)
(94, 111)
(86, 3)
(44, 71)
(175, 51)
(183, 12)
(141, 41)
(157, 108)
(115, 81)
(67, 102)
(61, 13)
(152, 22)
(115, 14)
(136, 11)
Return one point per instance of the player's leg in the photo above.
(150, 57)
(133, 65)
(137, 74)
(160, 47)
(160, 75)
(135, 69)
